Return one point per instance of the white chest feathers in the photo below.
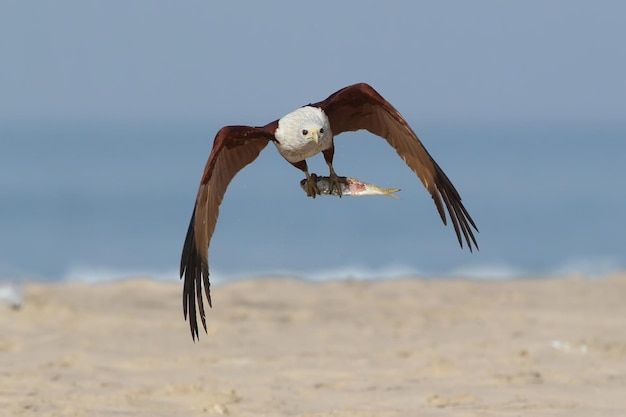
(303, 133)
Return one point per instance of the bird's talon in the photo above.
(311, 185)
(335, 184)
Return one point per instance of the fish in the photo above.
(350, 187)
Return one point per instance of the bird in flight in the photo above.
(299, 135)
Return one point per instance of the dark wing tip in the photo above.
(459, 216)
(194, 271)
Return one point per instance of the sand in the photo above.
(281, 347)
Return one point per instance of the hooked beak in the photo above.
(316, 135)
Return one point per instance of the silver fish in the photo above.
(351, 187)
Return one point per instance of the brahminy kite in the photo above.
(299, 135)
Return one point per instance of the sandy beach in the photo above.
(282, 347)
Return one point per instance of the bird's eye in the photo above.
(305, 132)
(322, 130)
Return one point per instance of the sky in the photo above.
(249, 62)
(108, 109)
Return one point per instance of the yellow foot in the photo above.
(335, 183)
(311, 186)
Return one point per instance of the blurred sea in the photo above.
(97, 201)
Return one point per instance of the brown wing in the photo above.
(234, 147)
(360, 107)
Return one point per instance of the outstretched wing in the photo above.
(360, 107)
(234, 147)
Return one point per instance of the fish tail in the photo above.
(391, 192)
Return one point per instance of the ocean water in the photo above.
(106, 200)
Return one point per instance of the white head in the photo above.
(307, 123)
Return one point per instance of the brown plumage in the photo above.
(350, 109)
